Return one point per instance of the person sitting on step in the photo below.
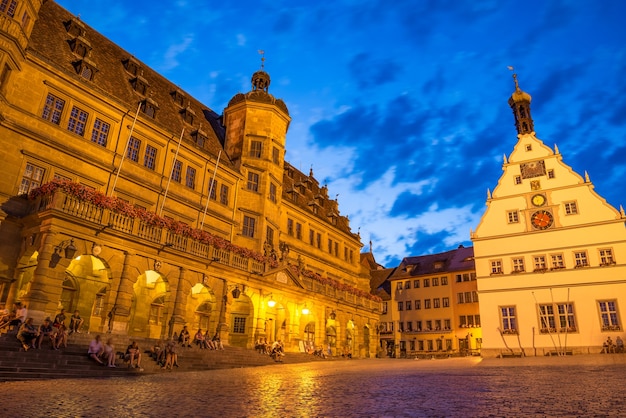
(46, 330)
(75, 322)
(217, 342)
(96, 349)
(59, 319)
(19, 317)
(5, 316)
(60, 338)
(200, 341)
(208, 341)
(184, 338)
(27, 334)
(133, 356)
(171, 356)
(109, 353)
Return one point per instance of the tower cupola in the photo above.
(520, 104)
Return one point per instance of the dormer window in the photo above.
(178, 97)
(85, 68)
(132, 66)
(438, 265)
(73, 27)
(80, 46)
(140, 85)
(188, 115)
(149, 107)
(199, 137)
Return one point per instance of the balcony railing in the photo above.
(147, 229)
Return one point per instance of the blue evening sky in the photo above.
(401, 106)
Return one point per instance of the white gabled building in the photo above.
(550, 254)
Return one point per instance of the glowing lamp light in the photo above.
(271, 303)
(305, 310)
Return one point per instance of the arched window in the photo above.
(157, 308)
(98, 303)
(309, 332)
(202, 315)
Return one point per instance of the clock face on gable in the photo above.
(538, 200)
(542, 219)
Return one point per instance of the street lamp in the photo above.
(271, 303)
(305, 310)
(69, 250)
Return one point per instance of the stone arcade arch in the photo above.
(149, 306)
(201, 309)
(241, 322)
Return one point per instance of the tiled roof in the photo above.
(459, 259)
(51, 41)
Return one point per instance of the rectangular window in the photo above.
(547, 321)
(468, 297)
(570, 208)
(248, 227)
(444, 281)
(550, 173)
(407, 285)
(437, 324)
(416, 284)
(384, 308)
(253, 181)
(408, 305)
(580, 258)
(429, 325)
(269, 236)
(447, 324)
(318, 240)
(239, 325)
(459, 278)
(213, 189)
(177, 171)
(330, 248)
(78, 119)
(311, 237)
(474, 296)
(255, 149)
(132, 153)
(100, 132)
(609, 317)
(565, 312)
(272, 194)
(418, 325)
(463, 321)
(8, 7)
(539, 262)
(276, 155)
(298, 230)
(435, 281)
(400, 306)
(517, 180)
(477, 320)
(31, 179)
(290, 227)
(508, 319)
(496, 267)
(606, 257)
(224, 194)
(149, 158)
(426, 282)
(445, 302)
(512, 216)
(336, 249)
(418, 304)
(426, 303)
(460, 298)
(53, 109)
(518, 265)
(190, 179)
(557, 261)
(401, 327)
(436, 303)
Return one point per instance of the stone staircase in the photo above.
(72, 362)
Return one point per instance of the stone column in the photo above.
(178, 319)
(223, 327)
(119, 315)
(38, 299)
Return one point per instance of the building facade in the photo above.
(127, 199)
(550, 254)
(434, 306)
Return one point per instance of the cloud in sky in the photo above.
(401, 108)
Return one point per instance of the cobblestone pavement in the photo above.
(578, 386)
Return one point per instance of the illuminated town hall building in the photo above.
(126, 199)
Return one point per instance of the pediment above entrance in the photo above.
(287, 278)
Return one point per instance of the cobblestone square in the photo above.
(578, 386)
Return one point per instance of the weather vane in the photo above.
(262, 52)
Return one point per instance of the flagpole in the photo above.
(132, 127)
(206, 207)
(169, 180)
